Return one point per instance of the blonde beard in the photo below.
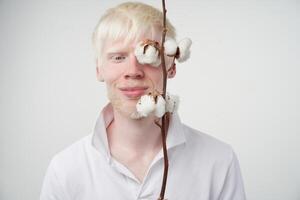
(125, 109)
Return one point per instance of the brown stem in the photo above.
(158, 124)
(164, 118)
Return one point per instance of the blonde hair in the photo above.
(128, 21)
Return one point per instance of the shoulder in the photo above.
(215, 162)
(68, 170)
(207, 147)
(70, 158)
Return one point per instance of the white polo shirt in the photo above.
(200, 168)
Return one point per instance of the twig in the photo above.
(158, 124)
(164, 119)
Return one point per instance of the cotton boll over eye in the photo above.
(157, 62)
(160, 106)
(147, 54)
(153, 56)
(139, 53)
(151, 52)
(139, 49)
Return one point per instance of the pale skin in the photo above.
(132, 142)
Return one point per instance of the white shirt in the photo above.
(200, 168)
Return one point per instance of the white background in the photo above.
(241, 85)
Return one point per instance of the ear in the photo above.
(99, 72)
(172, 71)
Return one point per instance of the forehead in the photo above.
(129, 43)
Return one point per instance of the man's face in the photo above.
(126, 79)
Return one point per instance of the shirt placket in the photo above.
(152, 180)
(139, 191)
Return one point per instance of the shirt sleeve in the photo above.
(233, 188)
(52, 188)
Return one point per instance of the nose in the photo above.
(134, 69)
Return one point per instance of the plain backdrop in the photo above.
(241, 85)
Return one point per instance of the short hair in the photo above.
(128, 21)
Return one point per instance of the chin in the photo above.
(126, 108)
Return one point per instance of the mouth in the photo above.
(133, 92)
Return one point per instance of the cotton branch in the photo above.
(164, 118)
(161, 105)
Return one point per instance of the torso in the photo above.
(138, 165)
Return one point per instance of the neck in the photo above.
(140, 136)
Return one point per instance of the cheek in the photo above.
(111, 74)
(156, 77)
(110, 79)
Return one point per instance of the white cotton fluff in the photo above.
(184, 49)
(139, 49)
(160, 108)
(151, 55)
(170, 47)
(145, 105)
(172, 103)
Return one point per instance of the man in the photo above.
(122, 159)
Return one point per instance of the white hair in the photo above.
(128, 21)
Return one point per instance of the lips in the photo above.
(133, 92)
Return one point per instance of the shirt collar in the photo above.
(175, 134)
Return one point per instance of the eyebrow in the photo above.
(118, 50)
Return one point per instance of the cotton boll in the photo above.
(185, 43)
(184, 55)
(144, 59)
(172, 103)
(141, 59)
(145, 105)
(170, 46)
(139, 53)
(184, 49)
(157, 62)
(139, 49)
(151, 52)
(160, 106)
(150, 56)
